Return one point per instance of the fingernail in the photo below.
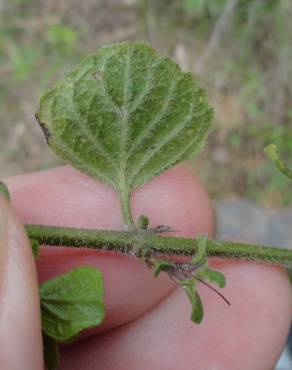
(20, 330)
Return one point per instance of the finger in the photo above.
(20, 328)
(248, 335)
(64, 197)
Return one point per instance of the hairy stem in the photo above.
(125, 202)
(127, 241)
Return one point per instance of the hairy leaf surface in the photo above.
(72, 302)
(124, 115)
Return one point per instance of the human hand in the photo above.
(147, 323)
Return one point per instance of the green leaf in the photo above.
(4, 191)
(72, 302)
(197, 308)
(189, 286)
(51, 353)
(273, 154)
(35, 246)
(214, 276)
(143, 222)
(124, 115)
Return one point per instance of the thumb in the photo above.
(20, 324)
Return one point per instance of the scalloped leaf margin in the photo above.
(124, 115)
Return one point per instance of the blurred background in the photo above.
(239, 49)
(241, 52)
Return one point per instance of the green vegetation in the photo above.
(123, 116)
(240, 49)
(65, 312)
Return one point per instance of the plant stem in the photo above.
(127, 241)
(125, 202)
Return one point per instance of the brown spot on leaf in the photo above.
(97, 76)
(44, 128)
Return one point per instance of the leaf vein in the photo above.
(117, 110)
(75, 160)
(181, 154)
(147, 88)
(97, 145)
(144, 133)
(125, 120)
(150, 153)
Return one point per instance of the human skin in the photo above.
(147, 324)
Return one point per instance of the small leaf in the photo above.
(51, 353)
(273, 154)
(143, 222)
(197, 308)
(189, 286)
(4, 191)
(35, 246)
(214, 276)
(72, 302)
(124, 115)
